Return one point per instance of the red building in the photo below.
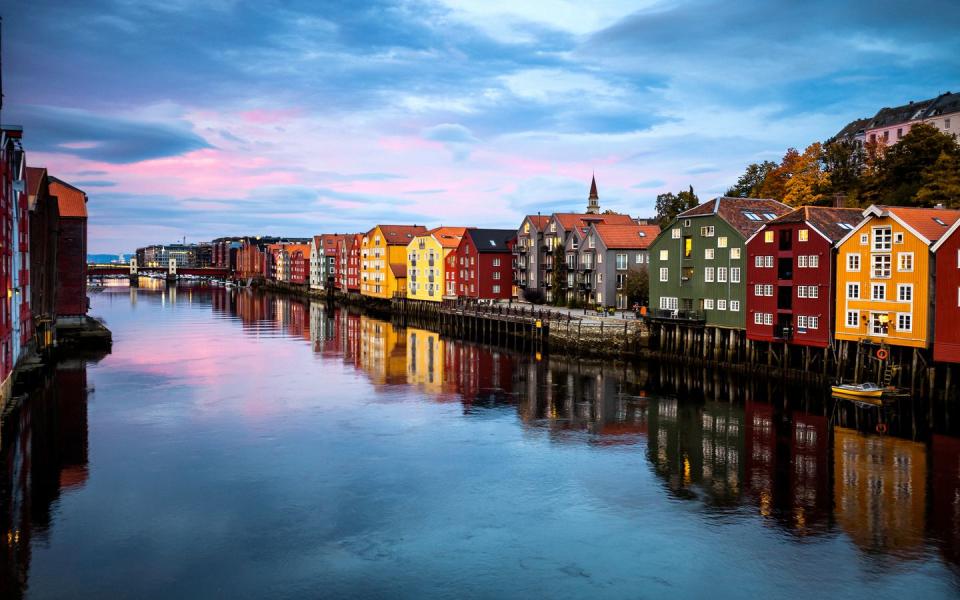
(71, 250)
(481, 266)
(946, 322)
(348, 263)
(300, 266)
(790, 274)
(44, 240)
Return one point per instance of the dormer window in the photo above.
(751, 215)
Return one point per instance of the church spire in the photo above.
(593, 202)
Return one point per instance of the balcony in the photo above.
(689, 316)
(784, 297)
(785, 268)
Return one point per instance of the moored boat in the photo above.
(858, 390)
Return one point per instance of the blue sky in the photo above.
(201, 118)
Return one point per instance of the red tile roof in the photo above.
(71, 201)
(827, 220)
(539, 221)
(617, 237)
(35, 176)
(399, 270)
(448, 237)
(571, 220)
(735, 210)
(401, 234)
(931, 223)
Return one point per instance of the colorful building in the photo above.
(946, 335)
(72, 250)
(383, 259)
(44, 240)
(884, 276)
(481, 266)
(697, 262)
(426, 262)
(599, 258)
(324, 255)
(348, 259)
(790, 270)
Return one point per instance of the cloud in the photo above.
(86, 183)
(455, 137)
(99, 137)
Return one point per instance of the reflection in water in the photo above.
(737, 452)
(44, 455)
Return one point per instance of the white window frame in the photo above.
(734, 274)
(813, 261)
(708, 304)
(853, 263)
(734, 306)
(722, 241)
(882, 238)
(801, 291)
(881, 266)
(675, 233)
(878, 286)
(721, 274)
(900, 259)
(735, 253)
(909, 317)
(665, 254)
(708, 253)
(768, 262)
(802, 261)
(707, 231)
(664, 274)
(721, 304)
(708, 274)
(904, 287)
(854, 316)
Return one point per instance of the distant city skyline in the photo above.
(219, 117)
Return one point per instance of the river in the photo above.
(245, 445)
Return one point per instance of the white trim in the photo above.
(943, 238)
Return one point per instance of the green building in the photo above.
(698, 263)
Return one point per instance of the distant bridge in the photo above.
(108, 270)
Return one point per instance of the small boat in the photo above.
(859, 390)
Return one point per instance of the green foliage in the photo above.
(670, 205)
(900, 172)
(941, 183)
(559, 276)
(637, 286)
(748, 185)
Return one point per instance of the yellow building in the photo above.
(884, 280)
(383, 259)
(425, 356)
(426, 260)
(382, 352)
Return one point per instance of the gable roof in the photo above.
(35, 177)
(623, 237)
(71, 202)
(448, 237)
(400, 234)
(491, 240)
(853, 129)
(827, 220)
(735, 212)
(930, 223)
(905, 113)
(538, 221)
(571, 220)
(399, 270)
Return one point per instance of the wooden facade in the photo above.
(383, 259)
(946, 335)
(481, 266)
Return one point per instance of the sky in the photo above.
(203, 118)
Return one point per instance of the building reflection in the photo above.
(44, 456)
(944, 525)
(880, 492)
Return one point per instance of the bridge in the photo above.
(171, 270)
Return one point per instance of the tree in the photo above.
(775, 183)
(900, 169)
(844, 163)
(637, 286)
(807, 181)
(941, 183)
(559, 276)
(670, 205)
(748, 185)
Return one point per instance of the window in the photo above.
(734, 274)
(664, 272)
(767, 319)
(708, 304)
(686, 222)
(639, 258)
(758, 318)
(768, 262)
(905, 262)
(881, 266)
(722, 275)
(853, 319)
(899, 132)
(813, 261)
(878, 323)
(801, 322)
(708, 275)
(721, 304)
(882, 238)
(758, 261)
(621, 279)
(708, 253)
(757, 290)
(801, 291)
(751, 216)
(592, 241)
(664, 254)
(864, 239)
(496, 289)
(735, 253)
(946, 123)
(768, 237)
(801, 262)
(496, 274)
(706, 231)
(722, 241)
(898, 238)
(668, 303)
(734, 306)
(768, 290)
(803, 234)
(853, 263)
(813, 291)
(905, 292)
(675, 233)
(621, 262)
(904, 322)
(496, 262)
(878, 291)
(687, 247)
(599, 259)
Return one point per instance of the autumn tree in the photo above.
(670, 205)
(844, 163)
(748, 185)
(941, 183)
(807, 182)
(902, 170)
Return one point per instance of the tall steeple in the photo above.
(593, 202)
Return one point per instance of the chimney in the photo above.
(939, 206)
